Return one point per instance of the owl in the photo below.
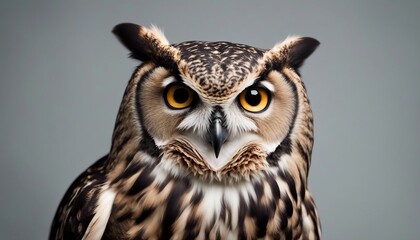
(213, 140)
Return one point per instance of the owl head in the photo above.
(215, 111)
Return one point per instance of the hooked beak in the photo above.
(217, 131)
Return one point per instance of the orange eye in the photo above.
(178, 96)
(254, 99)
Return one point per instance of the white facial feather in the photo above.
(237, 123)
(198, 120)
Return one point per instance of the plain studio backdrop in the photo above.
(64, 74)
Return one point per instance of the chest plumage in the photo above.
(213, 140)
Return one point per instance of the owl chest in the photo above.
(183, 210)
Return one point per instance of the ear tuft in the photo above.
(131, 37)
(292, 52)
(146, 45)
(299, 50)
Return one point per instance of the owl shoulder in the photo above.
(77, 215)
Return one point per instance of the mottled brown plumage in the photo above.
(190, 158)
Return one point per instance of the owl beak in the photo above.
(217, 131)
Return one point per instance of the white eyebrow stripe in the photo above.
(168, 81)
(268, 85)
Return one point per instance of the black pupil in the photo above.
(181, 95)
(253, 97)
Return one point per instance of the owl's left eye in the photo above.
(255, 99)
(178, 96)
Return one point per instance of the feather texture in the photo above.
(164, 179)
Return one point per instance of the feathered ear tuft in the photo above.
(146, 45)
(301, 49)
(292, 52)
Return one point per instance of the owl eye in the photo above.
(178, 96)
(254, 99)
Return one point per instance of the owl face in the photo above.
(215, 110)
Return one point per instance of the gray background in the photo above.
(63, 75)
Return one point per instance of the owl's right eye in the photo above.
(178, 96)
